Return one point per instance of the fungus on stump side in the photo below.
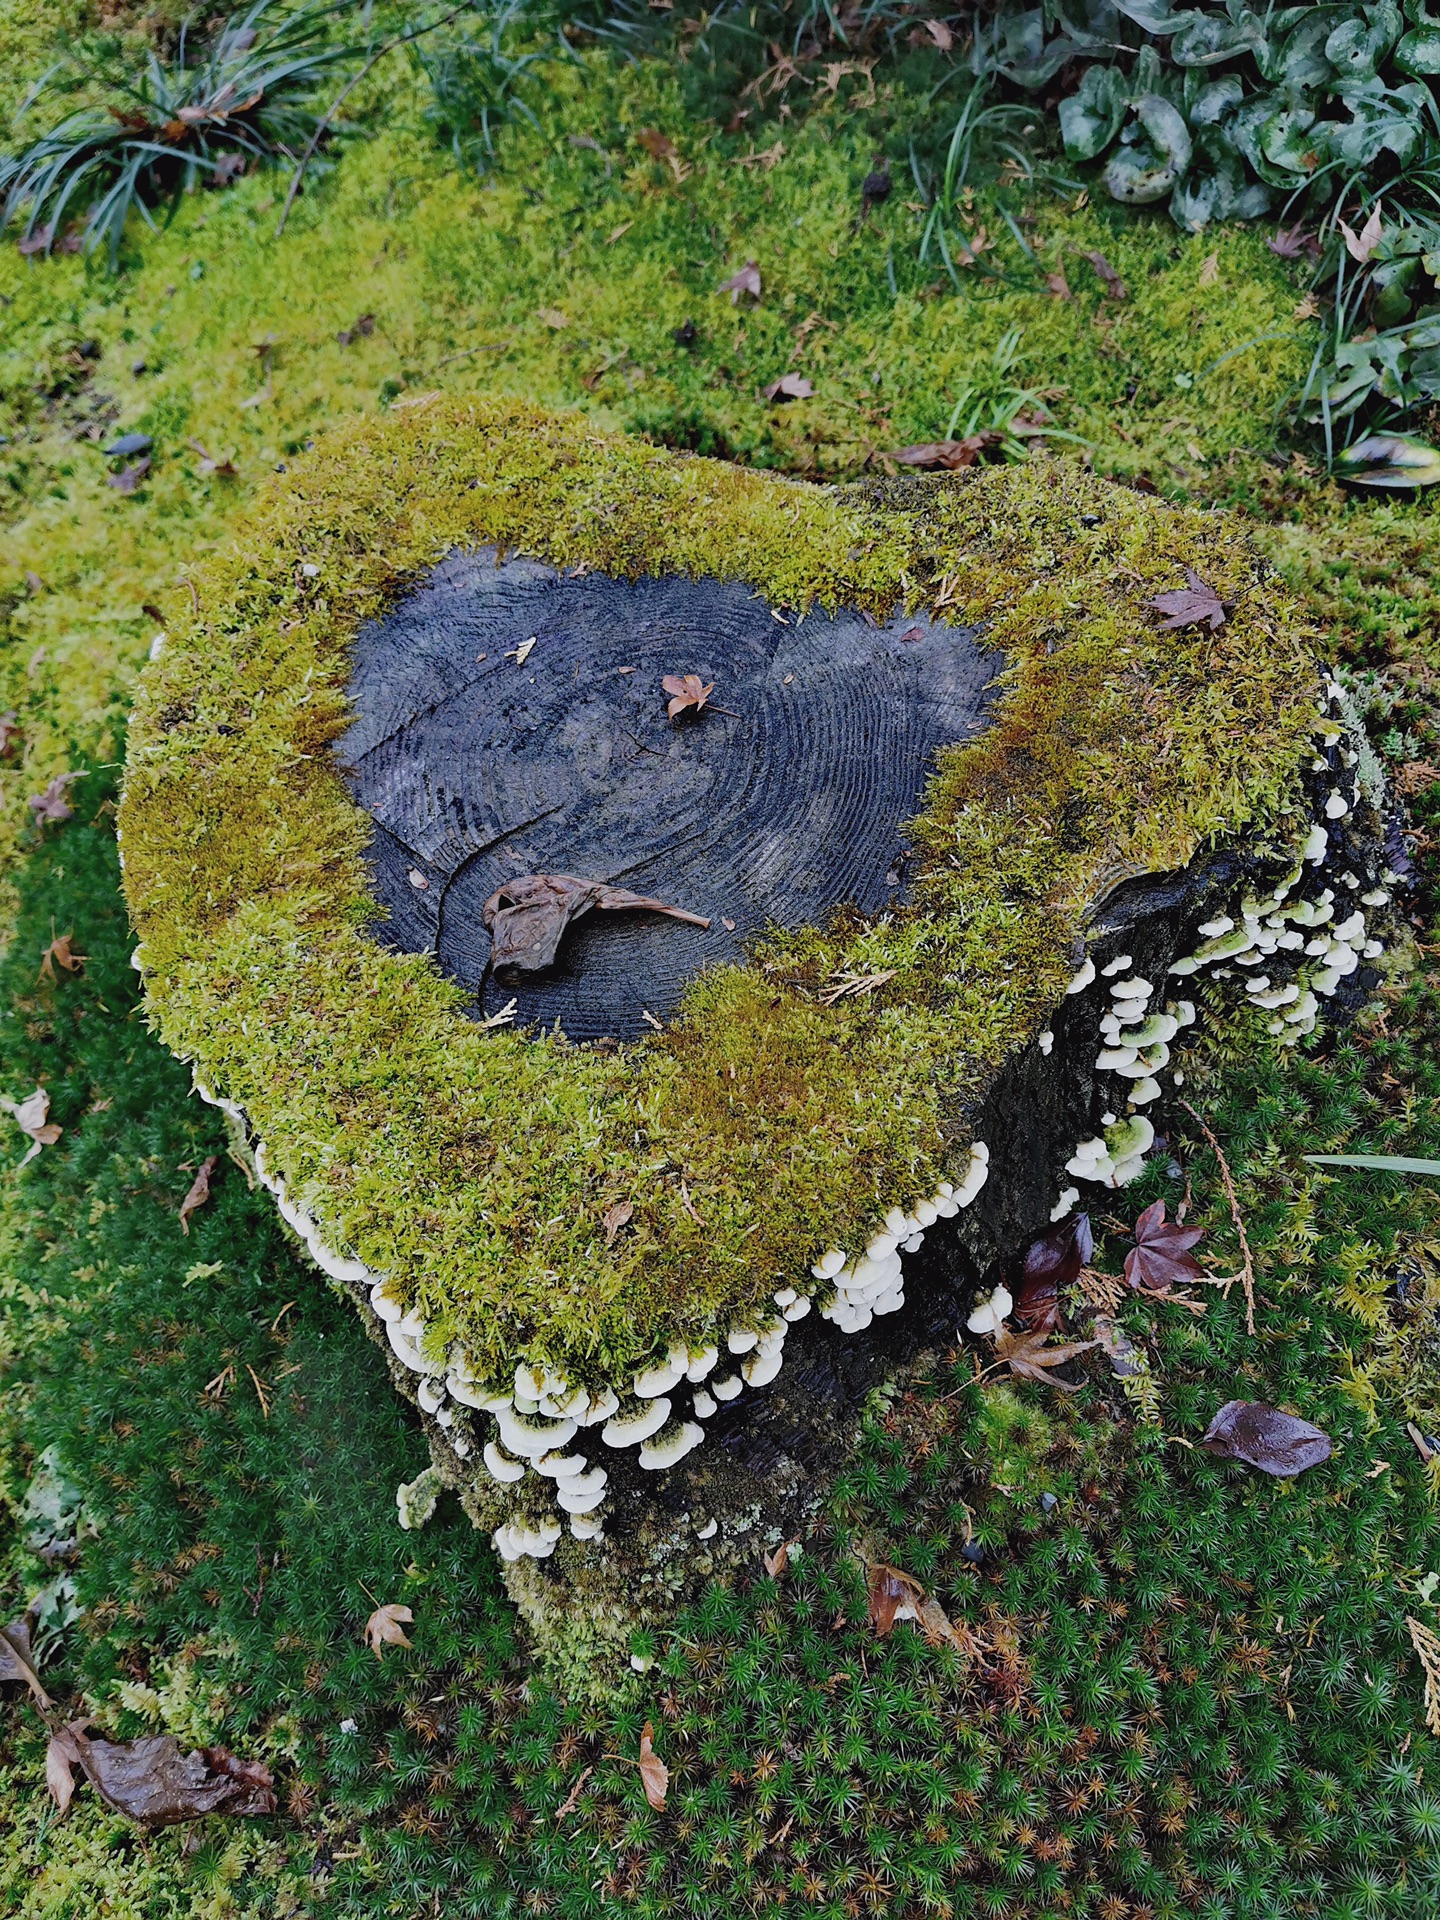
(850, 853)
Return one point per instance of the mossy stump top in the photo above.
(535, 1198)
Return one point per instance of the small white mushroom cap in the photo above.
(671, 1446)
(727, 1388)
(474, 1394)
(407, 1351)
(628, 1430)
(1376, 897)
(1352, 929)
(562, 1466)
(430, 1394)
(532, 1437)
(880, 1246)
(391, 1310)
(896, 1223)
(926, 1213)
(1082, 979)
(596, 1480)
(502, 1467)
(529, 1382)
(1046, 1042)
(741, 1339)
(829, 1264)
(702, 1363)
(574, 1499)
(412, 1324)
(704, 1405)
(1143, 1092)
(989, 1316)
(1222, 923)
(797, 1309)
(586, 1527)
(1065, 1204)
(1336, 807)
(660, 1379)
(1317, 843)
(602, 1405)
(783, 1296)
(461, 1446)
(1115, 1059)
(1135, 988)
(761, 1368)
(1117, 965)
(568, 1405)
(708, 1531)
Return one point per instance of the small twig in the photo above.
(400, 40)
(1246, 1275)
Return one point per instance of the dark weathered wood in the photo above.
(478, 770)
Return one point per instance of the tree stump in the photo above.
(964, 837)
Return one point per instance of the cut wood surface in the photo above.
(484, 758)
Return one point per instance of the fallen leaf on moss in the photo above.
(1291, 242)
(199, 1191)
(940, 34)
(1117, 1346)
(386, 1628)
(951, 455)
(1113, 284)
(128, 479)
(778, 1562)
(573, 1799)
(654, 1774)
(553, 317)
(1026, 1354)
(1052, 1262)
(1057, 284)
(790, 386)
(9, 733)
(1161, 1257)
(747, 280)
(1262, 1436)
(526, 917)
(361, 330)
(614, 1218)
(153, 1781)
(1210, 270)
(17, 1662)
(891, 1596)
(658, 145)
(59, 953)
(1190, 606)
(32, 1116)
(686, 690)
(51, 805)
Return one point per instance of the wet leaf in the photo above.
(51, 805)
(32, 1116)
(1161, 1257)
(614, 1218)
(526, 917)
(153, 1781)
(947, 454)
(386, 1628)
(686, 690)
(1190, 606)
(1387, 462)
(1264, 1437)
(17, 1662)
(747, 280)
(654, 1774)
(893, 1596)
(128, 479)
(790, 386)
(1052, 1262)
(1114, 286)
(199, 1191)
(59, 953)
(1026, 1354)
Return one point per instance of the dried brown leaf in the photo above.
(17, 1662)
(386, 1628)
(940, 34)
(686, 690)
(1114, 286)
(949, 455)
(1190, 606)
(892, 1596)
(60, 953)
(527, 916)
(1361, 246)
(746, 280)
(790, 386)
(51, 804)
(1161, 1257)
(62, 1756)
(654, 1774)
(199, 1191)
(573, 1799)
(31, 1115)
(153, 1781)
(658, 145)
(10, 733)
(1026, 1354)
(128, 479)
(616, 1217)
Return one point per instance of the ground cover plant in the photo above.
(1189, 1688)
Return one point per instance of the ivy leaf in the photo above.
(199, 1191)
(386, 1628)
(1161, 1257)
(654, 1774)
(1051, 1263)
(1190, 606)
(1262, 1436)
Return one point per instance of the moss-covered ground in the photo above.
(1192, 1690)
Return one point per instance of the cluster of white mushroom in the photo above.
(1312, 924)
(875, 1283)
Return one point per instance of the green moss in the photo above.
(393, 1118)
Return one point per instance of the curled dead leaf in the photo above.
(1028, 1355)
(17, 1661)
(31, 1115)
(386, 1628)
(1263, 1436)
(526, 917)
(199, 1191)
(790, 386)
(60, 953)
(654, 1774)
(746, 280)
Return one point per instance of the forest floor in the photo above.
(1191, 1689)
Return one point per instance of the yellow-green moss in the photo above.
(475, 1166)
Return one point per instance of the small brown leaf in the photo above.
(892, 1596)
(1058, 285)
(747, 280)
(687, 690)
(790, 386)
(51, 804)
(526, 917)
(1210, 270)
(1117, 1346)
(658, 145)
(128, 479)
(940, 34)
(1161, 1257)
(62, 1756)
(1191, 606)
(153, 1781)
(386, 1628)
(199, 1191)
(17, 1662)
(1115, 287)
(573, 1800)
(60, 954)
(1264, 1437)
(1361, 246)
(1052, 1262)
(1028, 1355)
(951, 455)
(554, 317)
(614, 1218)
(654, 1774)
(10, 733)
(32, 1116)
(778, 1562)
